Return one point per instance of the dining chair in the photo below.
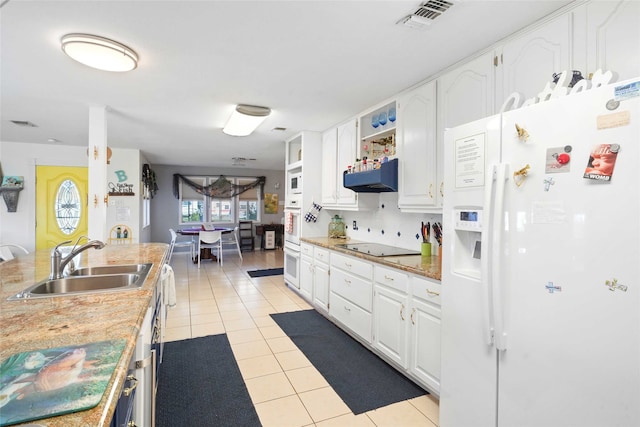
(6, 253)
(210, 239)
(174, 244)
(231, 238)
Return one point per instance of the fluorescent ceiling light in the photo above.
(245, 119)
(98, 52)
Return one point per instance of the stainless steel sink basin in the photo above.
(112, 269)
(89, 280)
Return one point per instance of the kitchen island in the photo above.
(424, 266)
(43, 323)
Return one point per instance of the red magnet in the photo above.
(563, 158)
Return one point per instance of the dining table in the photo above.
(195, 231)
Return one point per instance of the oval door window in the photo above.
(68, 207)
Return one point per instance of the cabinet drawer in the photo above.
(352, 288)
(352, 265)
(351, 316)
(395, 279)
(321, 255)
(306, 249)
(426, 290)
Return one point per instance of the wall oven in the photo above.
(292, 224)
(292, 264)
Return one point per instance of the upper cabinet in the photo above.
(417, 152)
(607, 37)
(339, 150)
(525, 64)
(464, 95)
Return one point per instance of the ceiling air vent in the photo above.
(240, 161)
(426, 13)
(24, 123)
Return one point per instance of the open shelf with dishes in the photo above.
(378, 133)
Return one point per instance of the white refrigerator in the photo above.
(541, 271)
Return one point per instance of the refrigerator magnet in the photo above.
(523, 135)
(552, 288)
(558, 159)
(613, 285)
(601, 162)
(548, 182)
(520, 175)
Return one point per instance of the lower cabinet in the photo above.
(390, 308)
(306, 277)
(351, 292)
(406, 323)
(393, 312)
(424, 317)
(321, 279)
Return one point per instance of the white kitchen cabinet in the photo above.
(321, 279)
(424, 336)
(416, 148)
(526, 63)
(306, 271)
(351, 293)
(339, 150)
(329, 167)
(391, 314)
(607, 37)
(465, 94)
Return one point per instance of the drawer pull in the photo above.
(347, 309)
(347, 281)
(413, 310)
(433, 293)
(347, 265)
(402, 312)
(388, 278)
(129, 390)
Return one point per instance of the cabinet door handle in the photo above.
(433, 293)
(388, 278)
(413, 310)
(442, 189)
(431, 191)
(402, 312)
(129, 390)
(347, 309)
(348, 282)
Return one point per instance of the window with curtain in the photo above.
(198, 208)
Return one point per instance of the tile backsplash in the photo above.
(387, 225)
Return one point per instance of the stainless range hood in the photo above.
(381, 180)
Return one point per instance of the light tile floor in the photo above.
(284, 387)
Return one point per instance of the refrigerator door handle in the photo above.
(485, 261)
(496, 253)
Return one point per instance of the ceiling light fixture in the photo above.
(245, 119)
(99, 52)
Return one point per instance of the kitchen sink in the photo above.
(112, 269)
(89, 280)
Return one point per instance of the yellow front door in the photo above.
(61, 204)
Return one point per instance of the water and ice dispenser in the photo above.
(467, 241)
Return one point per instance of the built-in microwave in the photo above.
(295, 183)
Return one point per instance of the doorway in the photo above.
(61, 204)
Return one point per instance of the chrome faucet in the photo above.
(58, 263)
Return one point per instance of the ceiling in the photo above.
(314, 63)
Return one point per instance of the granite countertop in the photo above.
(424, 266)
(75, 320)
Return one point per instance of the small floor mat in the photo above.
(200, 384)
(266, 272)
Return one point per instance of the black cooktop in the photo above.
(377, 249)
